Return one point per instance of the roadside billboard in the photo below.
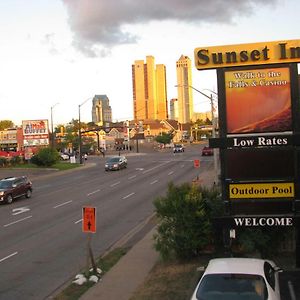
(35, 132)
(258, 100)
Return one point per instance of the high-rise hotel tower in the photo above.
(185, 95)
(149, 90)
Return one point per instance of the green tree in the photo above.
(164, 138)
(45, 157)
(5, 124)
(185, 220)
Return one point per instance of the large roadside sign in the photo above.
(259, 130)
(89, 219)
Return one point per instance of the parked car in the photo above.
(14, 187)
(64, 156)
(238, 279)
(178, 148)
(116, 163)
(206, 151)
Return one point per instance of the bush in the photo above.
(45, 157)
(3, 162)
(185, 213)
(265, 240)
(16, 160)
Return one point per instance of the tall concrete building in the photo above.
(149, 90)
(101, 111)
(185, 93)
(174, 109)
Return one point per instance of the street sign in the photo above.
(89, 219)
(196, 163)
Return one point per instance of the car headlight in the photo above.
(106, 165)
(1, 193)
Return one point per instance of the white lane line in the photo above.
(158, 166)
(153, 182)
(20, 210)
(131, 177)
(114, 184)
(170, 173)
(12, 223)
(59, 205)
(94, 192)
(129, 195)
(79, 221)
(8, 256)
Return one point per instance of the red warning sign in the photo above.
(89, 219)
(196, 163)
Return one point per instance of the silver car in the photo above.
(116, 163)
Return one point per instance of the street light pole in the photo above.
(52, 133)
(213, 126)
(79, 130)
(79, 136)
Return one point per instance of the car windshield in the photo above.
(231, 287)
(5, 184)
(114, 160)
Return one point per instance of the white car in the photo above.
(239, 279)
(178, 148)
(64, 156)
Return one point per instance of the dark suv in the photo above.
(14, 187)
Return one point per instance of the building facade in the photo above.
(185, 93)
(149, 90)
(101, 110)
(11, 139)
(174, 109)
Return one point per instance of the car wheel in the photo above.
(9, 199)
(28, 194)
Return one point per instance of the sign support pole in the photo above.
(90, 256)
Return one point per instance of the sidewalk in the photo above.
(132, 269)
(124, 278)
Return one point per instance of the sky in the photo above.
(56, 55)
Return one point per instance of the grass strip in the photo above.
(75, 291)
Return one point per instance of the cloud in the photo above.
(49, 41)
(102, 22)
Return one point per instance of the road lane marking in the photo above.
(170, 173)
(158, 166)
(79, 221)
(129, 195)
(114, 184)
(8, 256)
(12, 223)
(131, 177)
(62, 204)
(153, 182)
(94, 192)
(20, 210)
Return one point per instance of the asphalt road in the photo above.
(42, 244)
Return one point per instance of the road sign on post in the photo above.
(89, 219)
(196, 163)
